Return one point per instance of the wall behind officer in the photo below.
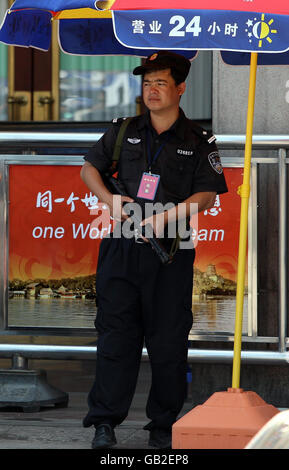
(138, 297)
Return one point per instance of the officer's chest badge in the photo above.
(215, 162)
(133, 140)
(185, 153)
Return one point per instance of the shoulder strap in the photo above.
(119, 139)
(205, 135)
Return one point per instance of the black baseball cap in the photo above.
(165, 60)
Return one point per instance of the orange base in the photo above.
(227, 420)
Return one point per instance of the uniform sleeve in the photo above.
(100, 155)
(209, 174)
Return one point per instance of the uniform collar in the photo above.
(177, 128)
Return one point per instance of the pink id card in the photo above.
(148, 186)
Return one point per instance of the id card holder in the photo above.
(148, 186)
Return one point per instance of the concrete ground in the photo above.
(57, 427)
(54, 431)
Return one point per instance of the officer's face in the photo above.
(160, 92)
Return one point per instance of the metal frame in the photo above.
(279, 143)
(283, 280)
(56, 160)
(67, 352)
(5, 162)
(234, 162)
(3, 245)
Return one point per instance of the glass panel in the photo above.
(3, 70)
(97, 88)
(197, 99)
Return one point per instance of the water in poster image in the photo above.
(216, 314)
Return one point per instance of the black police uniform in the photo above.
(139, 298)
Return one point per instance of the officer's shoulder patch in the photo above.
(211, 138)
(215, 162)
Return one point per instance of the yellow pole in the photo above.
(244, 192)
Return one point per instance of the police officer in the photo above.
(141, 300)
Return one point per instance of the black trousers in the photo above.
(140, 300)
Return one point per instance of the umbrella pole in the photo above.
(244, 192)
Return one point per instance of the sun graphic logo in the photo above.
(260, 30)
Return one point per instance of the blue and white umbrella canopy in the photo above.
(135, 27)
(83, 29)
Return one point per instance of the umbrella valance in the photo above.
(243, 58)
(280, 7)
(201, 29)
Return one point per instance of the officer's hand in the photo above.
(158, 223)
(118, 212)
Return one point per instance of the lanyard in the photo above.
(152, 159)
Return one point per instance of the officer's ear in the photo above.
(181, 88)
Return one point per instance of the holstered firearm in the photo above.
(116, 186)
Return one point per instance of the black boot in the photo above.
(104, 437)
(160, 438)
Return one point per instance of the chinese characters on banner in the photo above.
(201, 29)
(155, 27)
